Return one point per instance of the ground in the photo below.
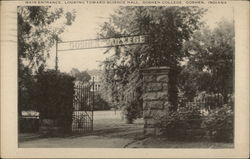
(110, 131)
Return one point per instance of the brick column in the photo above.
(155, 98)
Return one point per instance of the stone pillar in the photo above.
(155, 98)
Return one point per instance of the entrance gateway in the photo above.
(155, 86)
(98, 43)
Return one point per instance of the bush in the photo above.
(177, 124)
(220, 124)
(174, 126)
(54, 98)
(184, 125)
(132, 111)
(100, 103)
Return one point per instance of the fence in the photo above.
(205, 103)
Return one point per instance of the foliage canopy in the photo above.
(167, 27)
(210, 65)
(38, 29)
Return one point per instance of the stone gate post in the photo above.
(155, 98)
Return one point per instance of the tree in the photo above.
(38, 29)
(211, 57)
(80, 76)
(167, 29)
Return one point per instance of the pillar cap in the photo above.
(155, 70)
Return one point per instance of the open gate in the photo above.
(83, 106)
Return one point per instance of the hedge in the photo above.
(54, 98)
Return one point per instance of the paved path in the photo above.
(110, 131)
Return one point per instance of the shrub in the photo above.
(100, 103)
(185, 122)
(54, 98)
(177, 124)
(132, 111)
(220, 124)
(174, 126)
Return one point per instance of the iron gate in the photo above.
(83, 106)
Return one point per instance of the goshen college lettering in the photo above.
(100, 43)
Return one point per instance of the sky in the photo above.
(86, 25)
